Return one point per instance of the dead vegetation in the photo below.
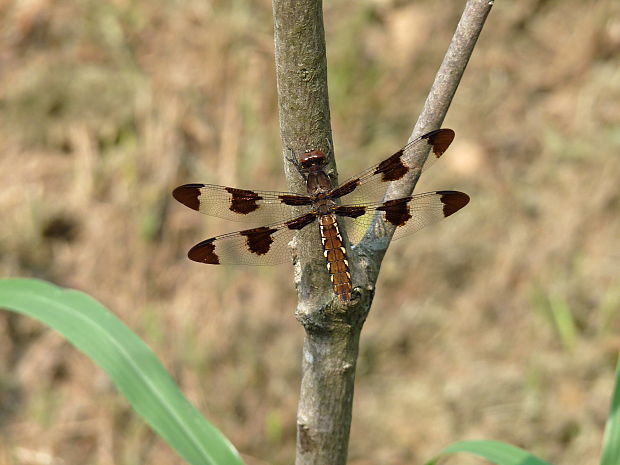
(501, 322)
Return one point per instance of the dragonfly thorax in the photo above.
(325, 206)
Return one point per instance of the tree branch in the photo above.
(332, 331)
(301, 71)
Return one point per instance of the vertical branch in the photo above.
(331, 341)
(301, 72)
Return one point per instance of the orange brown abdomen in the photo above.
(336, 257)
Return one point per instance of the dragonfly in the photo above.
(357, 204)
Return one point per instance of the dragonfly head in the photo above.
(312, 158)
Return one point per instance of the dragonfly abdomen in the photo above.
(336, 257)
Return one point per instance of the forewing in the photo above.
(371, 184)
(266, 245)
(407, 215)
(240, 204)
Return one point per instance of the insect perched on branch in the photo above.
(361, 205)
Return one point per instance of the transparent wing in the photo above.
(370, 185)
(240, 204)
(406, 216)
(266, 245)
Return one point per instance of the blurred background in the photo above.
(501, 322)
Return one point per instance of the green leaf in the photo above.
(611, 441)
(494, 451)
(128, 361)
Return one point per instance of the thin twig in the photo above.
(435, 108)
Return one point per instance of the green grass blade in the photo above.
(611, 440)
(131, 365)
(564, 321)
(494, 451)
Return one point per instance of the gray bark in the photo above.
(332, 329)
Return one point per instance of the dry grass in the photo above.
(500, 323)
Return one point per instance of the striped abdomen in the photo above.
(336, 257)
